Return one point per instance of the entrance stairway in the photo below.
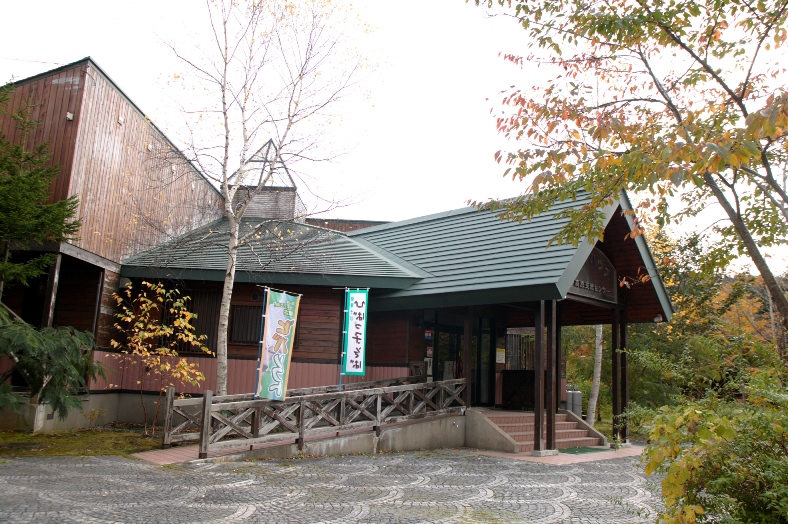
(520, 427)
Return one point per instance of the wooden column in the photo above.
(467, 340)
(624, 376)
(616, 374)
(539, 353)
(550, 405)
(48, 315)
(493, 357)
(559, 363)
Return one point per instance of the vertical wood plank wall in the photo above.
(123, 374)
(49, 98)
(135, 191)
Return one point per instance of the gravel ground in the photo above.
(420, 486)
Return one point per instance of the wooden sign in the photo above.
(596, 279)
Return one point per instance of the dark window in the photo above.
(245, 324)
(205, 304)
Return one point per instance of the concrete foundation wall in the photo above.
(109, 407)
(445, 432)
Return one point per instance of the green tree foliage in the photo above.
(665, 98)
(25, 214)
(56, 363)
(155, 323)
(724, 456)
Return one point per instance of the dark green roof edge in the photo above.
(305, 279)
(467, 298)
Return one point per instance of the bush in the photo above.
(55, 363)
(724, 456)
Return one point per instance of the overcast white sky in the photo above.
(422, 143)
(424, 140)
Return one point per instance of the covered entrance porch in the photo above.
(485, 278)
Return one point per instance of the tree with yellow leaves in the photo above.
(156, 323)
(680, 101)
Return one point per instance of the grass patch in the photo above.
(172, 466)
(580, 451)
(605, 426)
(75, 443)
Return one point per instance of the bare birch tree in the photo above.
(594, 396)
(271, 74)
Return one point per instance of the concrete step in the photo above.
(528, 436)
(513, 427)
(525, 418)
(563, 444)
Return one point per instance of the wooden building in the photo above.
(448, 290)
(436, 282)
(135, 191)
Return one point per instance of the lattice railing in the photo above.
(239, 420)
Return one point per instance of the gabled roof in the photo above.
(457, 258)
(472, 257)
(276, 252)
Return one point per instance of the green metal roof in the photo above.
(277, 252)
(460, 257)
(473, 257)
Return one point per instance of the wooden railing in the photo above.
(240, 420)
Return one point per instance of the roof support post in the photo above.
(467, 340)
(616, 374)
(550, 390)
(624, 377)
(48, 315)
(560, 386)
(539, 354)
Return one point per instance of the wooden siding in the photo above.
(122, 374)
(319, 328)
(388, 337)
(50, 98)
(135, 191)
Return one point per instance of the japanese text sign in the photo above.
(276, 348)
(354, 360)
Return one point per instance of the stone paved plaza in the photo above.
(420, 486)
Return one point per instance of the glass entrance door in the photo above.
(448, 363)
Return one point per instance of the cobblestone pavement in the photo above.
(420, 486)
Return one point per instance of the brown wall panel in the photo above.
(135, 191)
(388, 336)
(49, 98)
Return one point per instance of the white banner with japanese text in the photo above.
(354, 358)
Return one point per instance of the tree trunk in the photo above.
(594, 397)
(779, 298)
(224, 309)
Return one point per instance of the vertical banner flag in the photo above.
(354, 360)
(276, 347)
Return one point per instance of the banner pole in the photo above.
(344, 338)
(260, 345)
